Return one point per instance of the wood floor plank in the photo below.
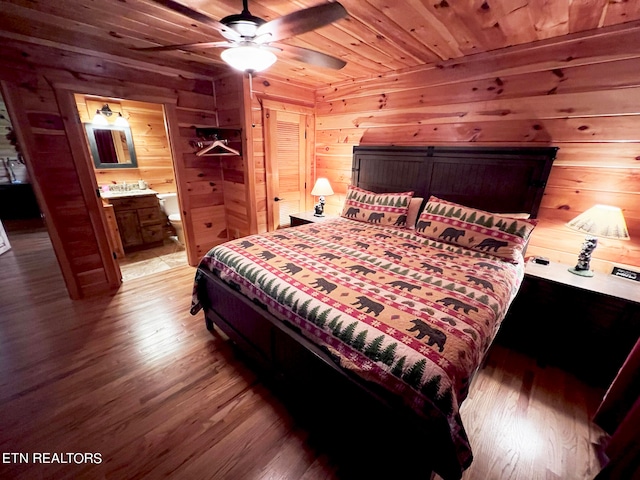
(136, 378)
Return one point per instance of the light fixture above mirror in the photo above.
(101, 118)
(121, 121)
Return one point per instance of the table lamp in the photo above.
(602, 221)
(321, 188)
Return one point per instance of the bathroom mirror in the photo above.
(111, 146)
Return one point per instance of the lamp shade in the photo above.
(601, 221)
(322, 187)
(248, 58)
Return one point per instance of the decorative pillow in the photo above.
(475, 229)
(380, 208)
(414, 210)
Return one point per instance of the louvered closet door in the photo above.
(286, 165)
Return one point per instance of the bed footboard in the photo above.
(284, 355)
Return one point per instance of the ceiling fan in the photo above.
(251, 41)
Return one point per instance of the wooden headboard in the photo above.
(496, 179)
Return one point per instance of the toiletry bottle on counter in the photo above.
(142, 185)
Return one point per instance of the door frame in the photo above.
(65, 97)
(270, 148)
(20, 124)
(64, 93)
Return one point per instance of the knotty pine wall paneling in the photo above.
(150, 140)
(200, 178)
(578, 93)
(32, 74)
(74, 132)
(236, 203)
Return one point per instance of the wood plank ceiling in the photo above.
(377, 37)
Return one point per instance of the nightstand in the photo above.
(303, 218)
(584, 325)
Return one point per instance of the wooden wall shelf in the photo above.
(226, 142)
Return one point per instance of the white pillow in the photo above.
(521, 216)
(413, 212)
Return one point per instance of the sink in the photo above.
(128, 193)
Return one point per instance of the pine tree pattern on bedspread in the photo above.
(411, 314)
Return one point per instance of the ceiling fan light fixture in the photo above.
(248, 58)
(250, 44)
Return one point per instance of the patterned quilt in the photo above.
(411, 314)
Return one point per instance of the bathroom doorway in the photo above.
(133, 167)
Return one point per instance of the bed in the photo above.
(404, 313)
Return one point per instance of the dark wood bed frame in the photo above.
(500, 180)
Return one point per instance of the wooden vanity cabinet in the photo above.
(114, 232)
(140, 221)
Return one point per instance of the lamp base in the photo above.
(582, 273)
(319, 208)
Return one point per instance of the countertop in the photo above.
(128, 193)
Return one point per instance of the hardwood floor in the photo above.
(137, 379)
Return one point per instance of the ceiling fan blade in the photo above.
(301, 21)
(185, 46)
(198, 17)
(312, 57)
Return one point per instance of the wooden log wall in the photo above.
(578, 93)
(150, 141)
(229, 91)
(36, 79)
(200, 178)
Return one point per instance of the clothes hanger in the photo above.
(217, 143)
